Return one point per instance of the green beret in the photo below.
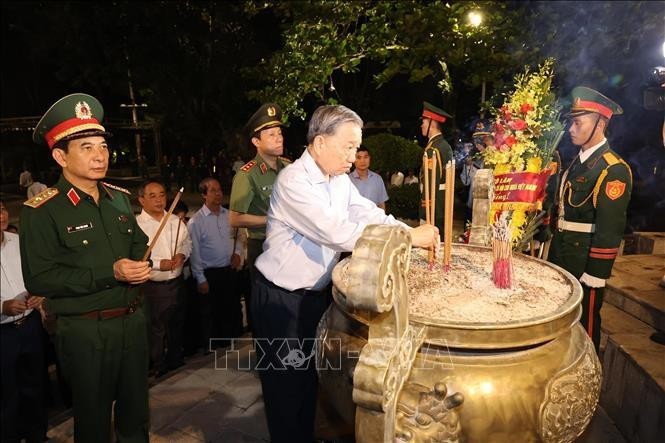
(587, 100)
(73, 116)
(267, 116)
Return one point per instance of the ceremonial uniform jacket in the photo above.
(438, 148)
(252, 186)
(592, 202)
(69, 244)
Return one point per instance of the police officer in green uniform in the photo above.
(82, 248)
(437, 147)
(592, 201)
(252, 185)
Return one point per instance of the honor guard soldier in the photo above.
(437, 147)
(592, 201)
(81, 248)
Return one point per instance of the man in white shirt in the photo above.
(369, 183)
(315, 214)
(164, 292)
(22, 361)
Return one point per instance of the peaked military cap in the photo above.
(267, 116)
(587, 100)
(434, 113)
(73, 116)
(482, 127)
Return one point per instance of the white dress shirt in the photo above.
(12, 276)
(164, 249)
(311, 220)
(586, 154)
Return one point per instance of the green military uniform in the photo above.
(592, 202)
(250, 194)
(252, 184)
(68, 246)
(439, 149)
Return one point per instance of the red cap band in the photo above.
(433, 116)
(584, 105)
(69, 127)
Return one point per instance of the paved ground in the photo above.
(210, 400)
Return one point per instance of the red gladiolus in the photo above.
(498, 139)
(498, 128)
(525, 108)
(506, 113)
(510, 140)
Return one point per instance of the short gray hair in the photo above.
(326, 119)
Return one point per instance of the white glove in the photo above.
(591, 281)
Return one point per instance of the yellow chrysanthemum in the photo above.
(534, 164)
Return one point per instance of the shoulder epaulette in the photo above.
(41, 198)
(249, 165)
(117, 188)
(611, 158)
(285, 160)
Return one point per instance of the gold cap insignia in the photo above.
(576, 102)
(271, 111)
(82, 111)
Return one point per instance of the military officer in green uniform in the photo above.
(437, 147)
(592, 201)
(252, 185)
(82, 248)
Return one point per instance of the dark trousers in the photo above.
(285, 327)
(165, 302)
(220, 308)
(592, 301)
(106, 361)
(254, 249)
(22, 361)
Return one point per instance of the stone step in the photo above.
(633, 389)
(634, 288)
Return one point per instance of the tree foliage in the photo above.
(392, 153)
(420, 39)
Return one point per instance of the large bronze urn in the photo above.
(415, 379)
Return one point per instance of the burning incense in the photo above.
(502, 253)
(448, 215)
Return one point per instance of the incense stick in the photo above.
(162, 224)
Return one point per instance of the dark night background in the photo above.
(191, 64)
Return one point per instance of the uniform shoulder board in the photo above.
(117, 188)
(285, 160)
(611, 158)
(249, 165)
(41, 198)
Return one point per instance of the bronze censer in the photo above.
(401, 378)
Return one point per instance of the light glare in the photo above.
(475, 18)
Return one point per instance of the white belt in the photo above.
(564, 225)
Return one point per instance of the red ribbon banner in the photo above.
(520, 190)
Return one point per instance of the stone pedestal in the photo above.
(483, 189)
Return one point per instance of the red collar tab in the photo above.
(73, 196)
